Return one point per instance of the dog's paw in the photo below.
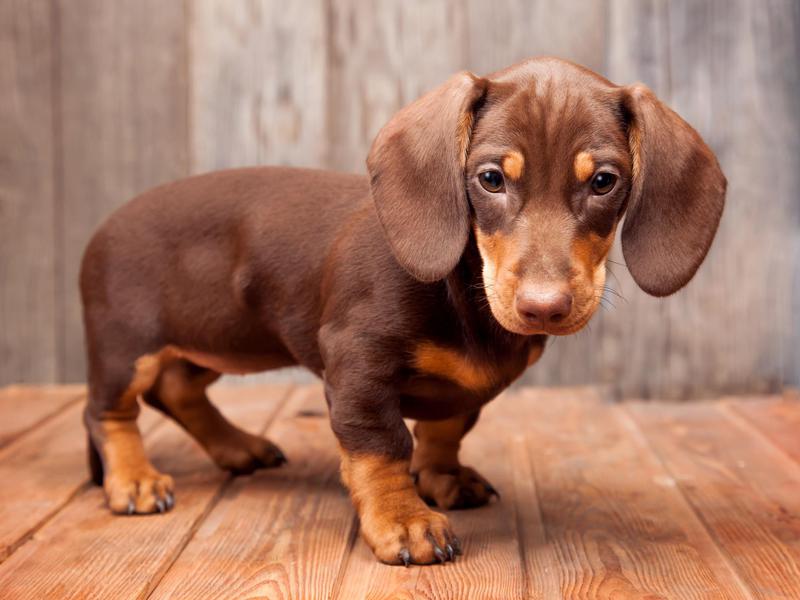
(139, 493)
(462, 488)
(245, 453)
(407, 534)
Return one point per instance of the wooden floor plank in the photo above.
(491, 565)
(84, 551)
(47, 466)
(23, 407)
(611, 514)
(280, 534)
(776, 418)
(743, 488)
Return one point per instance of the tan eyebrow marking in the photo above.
(584, 166)
(513, 162)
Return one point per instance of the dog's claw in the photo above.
(280, 457)
(456, 545)
(405, 556)
(131, 507)
(170, 500)
(161, 506)
(451, 554)
(492, 491)
(437, 551)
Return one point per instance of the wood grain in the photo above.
(742, 487)
(43, 471)
(599, 500)
(28, 342)
(612, 516)
(106, 99)
(258, 83)
(85, 551)
(778, 419)
(269, 534)
(24, 407)
(123, 112)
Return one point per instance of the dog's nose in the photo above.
(543, 307)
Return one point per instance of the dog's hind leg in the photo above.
(116, 452)
(180, 392)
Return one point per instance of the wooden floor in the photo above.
(599, 500)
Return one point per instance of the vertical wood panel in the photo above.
(123, 110)
(27, 200)
(107, 99)
(384, 55)
(258, 75)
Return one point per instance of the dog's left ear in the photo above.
(676, 199)
(416, 167)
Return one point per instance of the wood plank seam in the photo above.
(82, 487)
(59, 238)
(44, 420)
(630, 423)
(28, 535)
(156, 580)
(739, 420)
(352, 537)
(518, 520)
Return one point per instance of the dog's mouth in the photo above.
(506, 315)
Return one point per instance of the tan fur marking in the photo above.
(464, 134)
(513, 163)
(590, 251)
(493, 250)
(584, 166)
(393, 516)
(535, 353)
(450, 364)
(635, 143)
(131, 483)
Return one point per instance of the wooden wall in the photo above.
(101, 99)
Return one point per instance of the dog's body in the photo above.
(419, 292)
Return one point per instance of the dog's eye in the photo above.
(603, 182)
(492, 181)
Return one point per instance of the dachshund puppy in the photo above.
(420, 291)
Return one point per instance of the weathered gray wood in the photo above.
(108, 98)
(27, 193)
(384, 55)
(258, 83)
(123, 110)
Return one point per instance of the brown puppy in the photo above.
(421, 291)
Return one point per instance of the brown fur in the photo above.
(409, 291)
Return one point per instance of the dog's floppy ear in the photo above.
(416, 167)
(676, 199)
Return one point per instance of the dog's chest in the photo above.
(447, 380)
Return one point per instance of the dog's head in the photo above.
(540, 162)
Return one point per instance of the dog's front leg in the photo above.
(376, 457)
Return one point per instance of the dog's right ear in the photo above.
(416, 168)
